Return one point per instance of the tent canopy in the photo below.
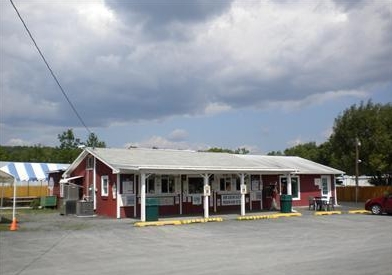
(29, 171)
(5, 177)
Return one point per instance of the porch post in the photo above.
(289, 190)
(118, 213)
(242, 195)
(206, 206)
(289, 184)
(143, 197)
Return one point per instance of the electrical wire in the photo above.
(51, 71)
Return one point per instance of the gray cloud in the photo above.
(116, 67)
(164, 19)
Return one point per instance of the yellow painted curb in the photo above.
(177, 222)
(157, 223)
(322, 213)
(272, 216)
(202, 220)
(359, 212)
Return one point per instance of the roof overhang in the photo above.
(202, 170)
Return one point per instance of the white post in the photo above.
(118, 197)
(289, 184)
(242, 195)
(206, 206)
(289, 192)
(181, 193)
(143, 197)
(14, 203)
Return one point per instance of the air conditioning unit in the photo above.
(67, 207)
(84, 208)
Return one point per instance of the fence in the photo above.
(24, 191)
(347, 193)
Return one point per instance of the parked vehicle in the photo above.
(380, 205)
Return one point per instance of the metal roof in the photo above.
(183, 161)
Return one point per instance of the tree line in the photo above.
(368, 123)
(69, 148)
(368, 126)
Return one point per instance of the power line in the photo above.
(50, 70)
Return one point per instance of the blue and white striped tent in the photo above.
(32, 171)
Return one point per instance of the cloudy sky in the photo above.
(265, 75)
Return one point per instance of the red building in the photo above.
(118, 181)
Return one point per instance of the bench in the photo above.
(22, 200)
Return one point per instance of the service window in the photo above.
(225, 184)
(230, 183)
(237, 182)
(167, 184)
(195, 185)
(294, 186)
(151, 185)
(255, 182)
(104, 186)
(127, 186)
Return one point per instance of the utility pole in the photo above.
(357, 161)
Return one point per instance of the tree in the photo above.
(275, 153)
(372, 125)
(93, 141)
(242, 151)
(67, 140)
(307, 150)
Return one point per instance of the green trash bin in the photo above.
(152, 209)
(285, 203)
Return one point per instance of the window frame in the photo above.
(327, 185)
(296, 182)
(199, 188)
(229, 183)
(169, 184)
(150, 182)
(105, 181)
(89, 163)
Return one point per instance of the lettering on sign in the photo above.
(231, 200)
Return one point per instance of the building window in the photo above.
(167, 184)
(255, 182)
(104, 186)
(324, 186)
(90, 162)
(195, 185)
(295, 191)
(229, 183)
(151, 185)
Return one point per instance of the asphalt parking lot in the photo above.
(336, 244)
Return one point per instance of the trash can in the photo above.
(152, 208)
(285, 203)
